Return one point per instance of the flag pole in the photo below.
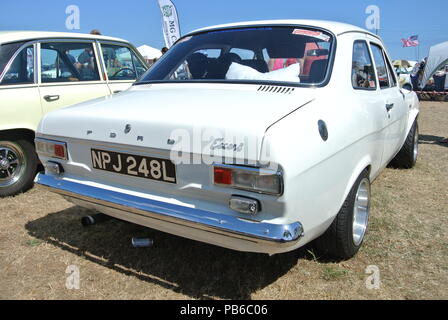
(418, 51)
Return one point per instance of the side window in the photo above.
(140, 68)
(363, 72)
(381, 68)
(121, 63)
(393, 80)
(21, 70)
(6, 53)
(67, 62)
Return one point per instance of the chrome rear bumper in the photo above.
(168, 217)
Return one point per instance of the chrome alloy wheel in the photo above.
(12, 164)
(415, 154)
(361, 209)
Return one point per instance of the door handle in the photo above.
(117, 91)
(389, 106)
(50, 98)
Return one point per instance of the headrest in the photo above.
(289, 49)
(197, 58)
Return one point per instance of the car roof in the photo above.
(13, 36)
(336, 27)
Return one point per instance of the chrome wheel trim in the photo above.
(415, 151)
(12, 164)
(361, 209)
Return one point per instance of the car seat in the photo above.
(198, 63)
(317, 71)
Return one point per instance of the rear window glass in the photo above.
(252, 54)
(21, 70)
(6, 53)
(68, 61)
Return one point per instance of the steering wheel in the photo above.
(122, 69)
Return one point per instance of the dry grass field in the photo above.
(41, 235)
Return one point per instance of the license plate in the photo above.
(134, 165)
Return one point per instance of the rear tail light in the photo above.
(222, 175)
(51, 148)
(249, 178)
(59, 151)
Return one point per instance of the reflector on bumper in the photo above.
(244, 205)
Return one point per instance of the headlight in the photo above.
(51, 148)
(248, 178)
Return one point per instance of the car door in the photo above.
(394, 102)
(69, 73)
(19, 94)
(367, 95)
(122, 64)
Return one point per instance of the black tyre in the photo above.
(345, 235)
(18, 164)
(407, 156)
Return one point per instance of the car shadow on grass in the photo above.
(192, 268)
(430, 139)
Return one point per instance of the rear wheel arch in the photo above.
(24, 133)
(364, 165)
(345, 235)
(359, 170)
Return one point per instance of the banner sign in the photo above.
(170, 22)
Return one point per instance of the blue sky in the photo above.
(139, 21)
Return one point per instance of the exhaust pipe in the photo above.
(94, 219)
(141, 242)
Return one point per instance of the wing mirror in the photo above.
(407, 86)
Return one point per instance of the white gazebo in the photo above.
(438, 57)
(149, 53)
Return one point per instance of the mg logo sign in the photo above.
(167, 11)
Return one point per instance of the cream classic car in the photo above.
(71, 68)
(256, 136)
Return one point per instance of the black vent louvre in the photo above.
(275, 89)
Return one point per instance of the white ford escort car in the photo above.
(256, 136)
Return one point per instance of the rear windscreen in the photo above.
(256, 54)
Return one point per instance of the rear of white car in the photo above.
(259, 149)
(125, 163)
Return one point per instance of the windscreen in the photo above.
(263, 54)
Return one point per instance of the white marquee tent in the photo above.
(149, 52)
(438, 57)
